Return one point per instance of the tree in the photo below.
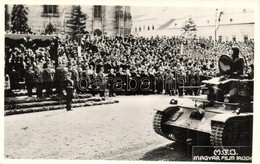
(19, 19)
(6, 18)
(189, 27)
(49, 29)
(78, 20)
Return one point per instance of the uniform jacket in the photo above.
(69, 87)
(48, 75)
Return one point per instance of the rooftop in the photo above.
(168, 18)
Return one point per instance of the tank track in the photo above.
(157, 126)
(216, 134)
(218, 138)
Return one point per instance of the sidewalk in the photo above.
(19, 102)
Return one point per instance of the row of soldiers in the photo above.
(116, 82)
(133, 82)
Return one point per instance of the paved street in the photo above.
(120, 131)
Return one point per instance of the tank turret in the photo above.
(232, 86)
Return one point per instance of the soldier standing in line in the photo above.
(68, 91)
(61, 77)
(145, 82)
(192, 82)
(127, 81)
(58, 80)
(180, 82)
(74, 75)
(101, 82)
(111, 77)
(152, 79)
(197, 81)
(94, 83)
(159, 82)
(120, 76)
(133, 84)
(138, 77)
(188, 91)
(39, 81)
(85, 83)
(29, 79)
(14, 78)
(48, 77)
(169, 82)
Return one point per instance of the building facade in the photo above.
(109, 20)
(233, 25)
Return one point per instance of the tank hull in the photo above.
(212, 126)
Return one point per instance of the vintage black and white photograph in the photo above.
(125, 82)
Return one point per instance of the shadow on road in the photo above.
(169, 152)
(58, 113)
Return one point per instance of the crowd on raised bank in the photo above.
(120, 65)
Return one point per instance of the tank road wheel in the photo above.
(231, 133)
(224, 134)
(158, 121)
(246, 133)
(245, 139)
(164, 130)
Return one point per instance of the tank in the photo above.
(223, 117)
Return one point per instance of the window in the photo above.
(97, 11)
(226, 38)
(220, 38)
(143, 28)
(153, 27)
(140, 29)
(148, 28)
(208, 21)
(50, 10)
(234, 38)
(246, 38)
(231, 20)
(135, 29)
(210, 37)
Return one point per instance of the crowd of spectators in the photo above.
(122, 65)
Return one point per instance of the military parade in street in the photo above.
(103, 82)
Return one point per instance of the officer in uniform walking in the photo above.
(68, 91)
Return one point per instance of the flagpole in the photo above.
(63, 19)
(216, 26)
